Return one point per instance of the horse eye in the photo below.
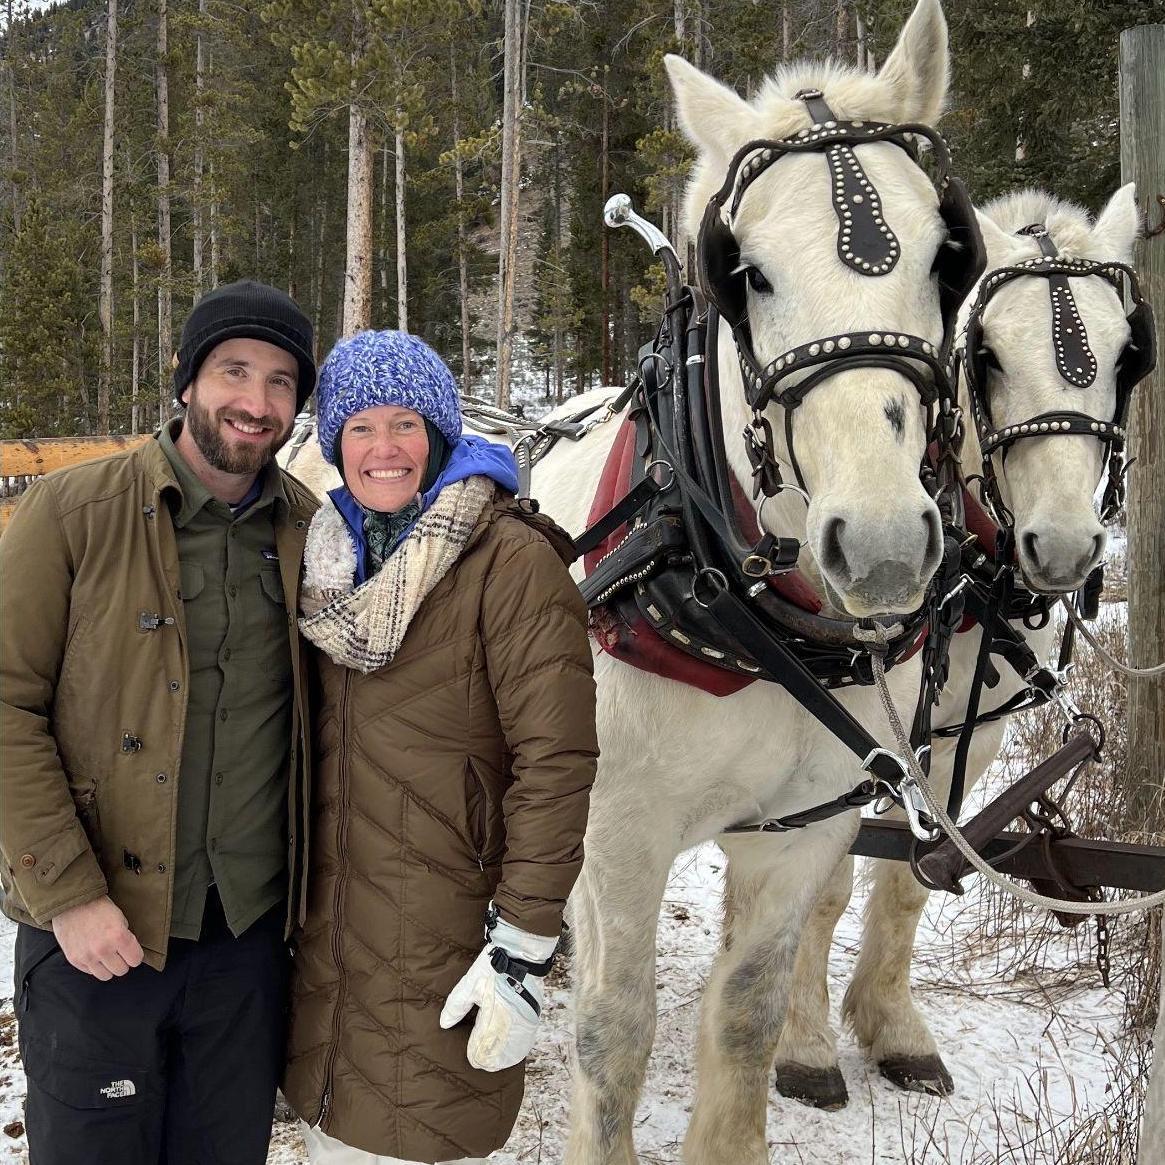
(757, 281)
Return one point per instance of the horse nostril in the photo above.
(1093, 556)
(832, 555)
(1027, 543)
(934, 544)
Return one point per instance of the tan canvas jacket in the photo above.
(92, 691)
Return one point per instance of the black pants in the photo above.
(172, 1068)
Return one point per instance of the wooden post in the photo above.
(1142, 91)
(1142, 102)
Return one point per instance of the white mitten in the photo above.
(505, 985)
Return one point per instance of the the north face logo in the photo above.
(118, 1090)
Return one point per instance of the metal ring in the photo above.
(667, 365)
(671, 472)
(756, 566)
(713, 573)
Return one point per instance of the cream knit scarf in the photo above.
(363, 627)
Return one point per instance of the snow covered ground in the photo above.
(1021, 1066)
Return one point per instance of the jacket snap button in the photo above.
(161, 778)
(28, 861)
(174, 685)
(161, 867)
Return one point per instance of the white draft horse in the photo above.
(678, 766)
(1049, 485)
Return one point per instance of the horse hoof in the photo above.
(918, 1074)
(817, 1087)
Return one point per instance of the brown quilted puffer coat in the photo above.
(458, 774)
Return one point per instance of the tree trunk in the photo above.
(1142, 106)
(678, 11)
(559, 355)
(13, 151)
(860, 32)
(605, 262)
(135, 365)
(317, 312)
(165, 329)
(462, 239)
(700, 19)
(382, 231)
(213, 228)
(199, 163)
(842, 32)
(511, 174)
(358, 262)
(1020, 145)
(105, 294)
(402, 271)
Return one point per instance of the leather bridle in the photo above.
(866, 244)
(1074, 361)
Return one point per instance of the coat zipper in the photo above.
(482, 815)
(341, 849)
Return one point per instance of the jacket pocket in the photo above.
(85, 799)
(34, 947)
(192, 579)
(273, 616)
(476, 811)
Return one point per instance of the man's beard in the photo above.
(207, 433)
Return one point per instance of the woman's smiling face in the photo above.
(384, 451)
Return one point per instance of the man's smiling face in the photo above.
(241, 405)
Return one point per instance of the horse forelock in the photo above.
(1069, 225)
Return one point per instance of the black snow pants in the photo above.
(177, 1067)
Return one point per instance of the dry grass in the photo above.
(1019, 945)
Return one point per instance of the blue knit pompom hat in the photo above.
(384, 368)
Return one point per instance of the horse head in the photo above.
(1047, 354)
(855, 442)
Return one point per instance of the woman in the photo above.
(455, 749)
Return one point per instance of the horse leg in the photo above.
(775, 886)
(878, 1004)
(615, 912)
(806, 1068)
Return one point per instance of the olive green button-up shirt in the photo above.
(233, 780)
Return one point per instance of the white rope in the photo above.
(938, 814)
(1094, 643)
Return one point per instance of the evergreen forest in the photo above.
(152, 149)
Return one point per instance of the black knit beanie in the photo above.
(251, 310)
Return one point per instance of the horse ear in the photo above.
(1117, 227)
(996, 240)
(919, 69)
(715, 119)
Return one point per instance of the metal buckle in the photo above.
(907, 796)
(712, 573)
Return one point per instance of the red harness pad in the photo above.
(635, 641)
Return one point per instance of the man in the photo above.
(153, 770)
